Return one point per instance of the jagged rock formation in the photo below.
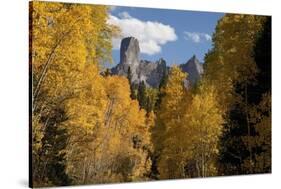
(151, 73)
(141, 70)
(194, 69)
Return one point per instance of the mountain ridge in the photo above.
(151, 73)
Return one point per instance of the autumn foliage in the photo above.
(88, 127)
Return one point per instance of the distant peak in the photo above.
(129, 38)
(193, 60)
(161, 60)
(193, 57)
(129, 51)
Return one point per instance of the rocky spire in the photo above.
(129, 51)
(129, 58)
(194, 69)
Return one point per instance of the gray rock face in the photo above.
(194, 69)
(150, 72)
(129, 57)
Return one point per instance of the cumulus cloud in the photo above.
(152, 35)
(197, 37)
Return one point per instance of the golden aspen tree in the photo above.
(203, 128)
(168, 124)
(231, 61)
(85, 118)
(129, 120)
(192, 125)
(65, 38)
(105, 151)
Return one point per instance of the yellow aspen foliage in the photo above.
(168, 129)
(106, 150)
(87, 107)
(125, 116)
(231, 60)
(106, 130)
(174, 91)
(88, 128)
(64, 38)
(189, 138)
(203, 122)
(239, 67)
(170, 109)
(68, 44)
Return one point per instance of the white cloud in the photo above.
(124, 15)
(152, 35)
(207, 37)
(197, 37)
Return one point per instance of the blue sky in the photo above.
(174, 35)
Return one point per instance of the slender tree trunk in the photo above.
(198, 168)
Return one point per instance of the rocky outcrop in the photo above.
(141, 70)
(194, 69)
(129, 57)
(151, 73)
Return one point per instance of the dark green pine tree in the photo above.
(162, 85)
(107, 72)
(52, 162)
(141, 95)
(149, 104)
(132, 85)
